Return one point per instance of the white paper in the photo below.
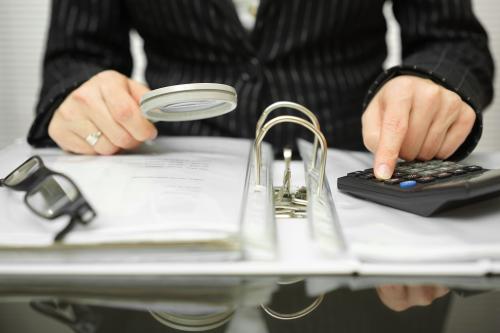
(180, 189)
(378, 233)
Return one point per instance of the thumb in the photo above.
(137, 90)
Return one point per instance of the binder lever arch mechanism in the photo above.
(321, 213)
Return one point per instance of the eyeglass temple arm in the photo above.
(61, 234)
(2, 181)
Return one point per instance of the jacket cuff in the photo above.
(465, 91)
(38, 135)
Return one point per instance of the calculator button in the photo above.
(459, 171)
(408, 184)
(444, 169)
(428, 173)
(366, 176)
(393, 181)
(369, 170)
(473, 168)
(443, 175)
(411, 177)
(426, 179)
(398, 174)
(355, 173)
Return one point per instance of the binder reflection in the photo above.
(240, 310)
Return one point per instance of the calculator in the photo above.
(424, 188)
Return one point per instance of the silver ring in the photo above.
(92, 138)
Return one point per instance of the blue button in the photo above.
(408, 184)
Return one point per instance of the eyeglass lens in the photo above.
(52, 195)
(23, 172)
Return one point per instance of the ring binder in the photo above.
(289, 119)
(289, 205)
(293, 106)
(321, 214)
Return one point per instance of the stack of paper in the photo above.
(180, 198)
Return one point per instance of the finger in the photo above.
(446, 116)
(393, 131)
(457, 133)
(395, 297)
(125, 110)
(95, 109)
(65, 139)
(371, 122)
(137, 90)
(421, 295)
(77, 145)
(440, 291)
(103, 146)
(422, 114)
(432, 143)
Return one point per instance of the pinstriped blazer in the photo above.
(324, 54)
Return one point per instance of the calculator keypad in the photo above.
(409, 174)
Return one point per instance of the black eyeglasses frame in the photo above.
(79, 210)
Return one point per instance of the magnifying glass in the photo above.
(186, 102)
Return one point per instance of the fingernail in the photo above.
(155, 134)
(383, 171)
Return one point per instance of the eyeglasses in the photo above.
(49, 194)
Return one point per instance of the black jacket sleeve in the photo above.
(85, 37)
(442, 40)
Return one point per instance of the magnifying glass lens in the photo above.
(187, 102)
(191, 106)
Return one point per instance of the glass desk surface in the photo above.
(265, 304)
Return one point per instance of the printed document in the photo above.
(178, 190)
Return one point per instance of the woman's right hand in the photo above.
(106, 103)
(400, 297)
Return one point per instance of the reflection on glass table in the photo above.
(320, 304)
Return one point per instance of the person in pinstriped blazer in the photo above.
(325, 54)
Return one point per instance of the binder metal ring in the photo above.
(293, 106)
(295, 315)
(295, 120)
